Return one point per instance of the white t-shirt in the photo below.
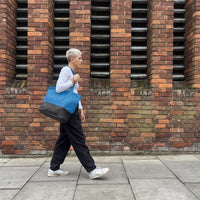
(65, 82)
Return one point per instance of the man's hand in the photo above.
(76, 78)
(82, 116)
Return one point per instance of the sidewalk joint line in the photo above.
(128, 180)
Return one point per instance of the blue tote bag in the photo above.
(59, 106)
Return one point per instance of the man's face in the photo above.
(77, 61)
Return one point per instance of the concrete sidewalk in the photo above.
(130, 178)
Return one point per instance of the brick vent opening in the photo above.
(100, 39)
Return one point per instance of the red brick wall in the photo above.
(160, 52)
(192, 43)
(7, 42)
(122, 115)
(7, 71)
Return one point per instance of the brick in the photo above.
(35, 125)
(148, 135)
(8, 143)
(80, 21)
(34, 52)
(39, 34)
(179, 130)
(137, 139)
(12, 138)
(106, 120)
(22, 106)
(160, 125)
(118, 121)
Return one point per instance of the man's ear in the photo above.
(72, 59)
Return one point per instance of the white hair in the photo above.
(72, 53)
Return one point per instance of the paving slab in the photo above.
(198, 156)
(47, 191)
(146, 169)
(139, 157)
(73, 168)
(15, 177)
(25, 162)
(96, 159)
(178, 158)
(7, 194)
(160, 189)
(4, 160)
(170, 177)
(195, 188)
(105, 159)
(185, 171)
(67, 159)
(115, 175)
(104, 192)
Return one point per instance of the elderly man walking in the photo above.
(71, 132)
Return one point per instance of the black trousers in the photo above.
(71, 134)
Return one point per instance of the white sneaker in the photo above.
(58, 172)
(98, 172)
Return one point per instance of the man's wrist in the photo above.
(73, 81)
(81, 111)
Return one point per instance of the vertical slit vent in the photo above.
(21, 48)
(179, 40)
(139, 40)
(100, 39)
(61, 35)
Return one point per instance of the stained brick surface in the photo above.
(121, 115)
